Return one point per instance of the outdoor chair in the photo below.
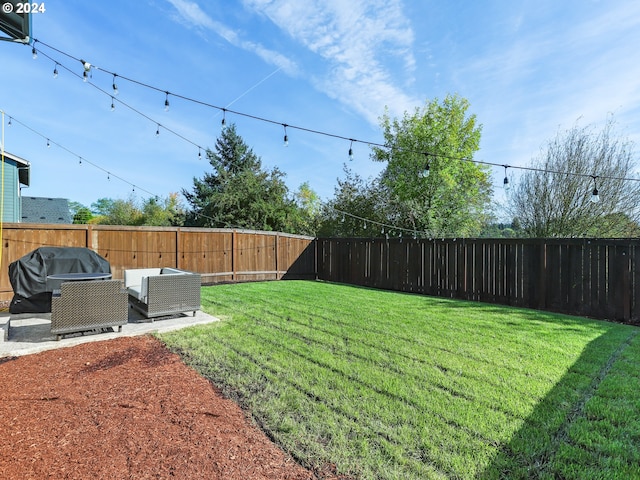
(156, 292)
(88, 305)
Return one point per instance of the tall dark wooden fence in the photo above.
(587, 277)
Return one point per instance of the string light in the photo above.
(166, 102)
(81, 160)
(113, 106)
(505, 182)
(48, 143)
(351, 150)
(427, 167)
(114, 86)
(87, 67)
(595, 198)
(9, 124)
(158, 131)
(286, 138)
(199, 154)
(55, 70)
(34, 53)
(224, 117)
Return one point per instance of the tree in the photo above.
(117, 212)
(163, 212)
(555, 198)
(355, 199)
(238, 193)
(430, 173)
(153, 211)
(79, 213)
(309, 208)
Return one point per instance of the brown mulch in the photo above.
(126, 408)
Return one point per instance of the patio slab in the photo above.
(31, 332)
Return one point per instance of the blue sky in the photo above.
(529, 69)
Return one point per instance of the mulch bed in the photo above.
(126, 408)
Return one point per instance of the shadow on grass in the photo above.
(547, 445)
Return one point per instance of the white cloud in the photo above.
(356, 41)
(554, 74)
(365, 47)
(193, 15)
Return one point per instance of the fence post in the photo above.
(234, 251)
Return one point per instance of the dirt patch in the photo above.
(126, 408)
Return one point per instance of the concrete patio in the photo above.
(31, 332)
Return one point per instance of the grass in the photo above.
(386, 385)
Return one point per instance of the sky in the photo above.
(528, 69)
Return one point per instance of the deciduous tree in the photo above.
(556, 198)
(429, 171)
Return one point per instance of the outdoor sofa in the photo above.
(88, 305)
(157, 292)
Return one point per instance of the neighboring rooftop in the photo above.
(45, 210)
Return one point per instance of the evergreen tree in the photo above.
(239, 193)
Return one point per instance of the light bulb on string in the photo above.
(595, 197)
(9, 124)
(364, 225)
(55, 71)
(79, 160)
(424, 173)
(87, 68)
(505, 182)
(34, 53)
(158, 131)
(286, 137)
(351, 150)
(113, 106)
(48, 143)
(224, 118)
(199, 154)
(114, 86)
(166, 102)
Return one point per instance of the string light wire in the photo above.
(81, 160)
(88, 67)
(224, 110)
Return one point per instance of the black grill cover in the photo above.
(28, 275)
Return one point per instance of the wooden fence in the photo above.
(220, 255)
(587, 277)
(593, 278)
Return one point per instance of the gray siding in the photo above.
(12, 210)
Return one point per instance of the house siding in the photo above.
(11, 210)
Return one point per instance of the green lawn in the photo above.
(388, 385)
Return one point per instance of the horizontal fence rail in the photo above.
(596, 278)
(219, 255)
